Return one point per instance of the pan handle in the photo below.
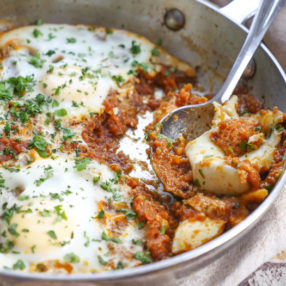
(240, 10)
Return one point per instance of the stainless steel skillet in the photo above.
(208, 40)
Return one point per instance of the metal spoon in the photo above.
(193, 120)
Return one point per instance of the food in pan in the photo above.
(80, 110)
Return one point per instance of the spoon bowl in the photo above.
(188, 121)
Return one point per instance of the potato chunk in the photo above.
(191, 234)
(212, 171)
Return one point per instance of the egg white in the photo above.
(75, 68)
(78, 197)
(83, 60)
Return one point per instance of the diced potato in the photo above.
(226, 111)
(255, 197)
(210, 170)
(263, 157)
(210, 206)
(268, 119)
(191, 234)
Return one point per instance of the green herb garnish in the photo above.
(81, 164)
(71, 258)
(144, 257)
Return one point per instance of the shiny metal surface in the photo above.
(208, 40)
(250, 70)
(240, 10)
(189, 121)
(174, 19)
(193, 120)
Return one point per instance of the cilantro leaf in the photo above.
(71, 258)
(80, 164)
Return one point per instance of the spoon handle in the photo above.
(266, 13)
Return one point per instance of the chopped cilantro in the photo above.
(49, 173)
(8, 213)
(33, 248)
(197, 183)
(36, 61)
(279, 128)
(51, 36)
(107, 186)
(162, 229)
(230, 149)
(19, 85)
(56, 196)
(61, 214)
(120, 265)
(162, 136)
(58, 124)
(52, 234)
(101, 260)
(135, 49)
(101, 214)
(141, 224)
(201, 173)
(5, 92)
(71, 40)
(55, 103)
(144, 257)
(75, 104)
(49, 53)
(86, 244)
(269, 187)
(40, 144)
(71, 258)
(129, 214)
(45, 213)
(96, 180)
(137, 242)
(6, 246)
(51, 69)
(37, 33)
(23, 198)
(19, 265)
(105, 237)
(12, 229)
(60, 112)
(118, 79)
(144, 66)
(155, 52)
(7, 128)
(80, 164)
(243, 145)
(68, 134)
(41, 267)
